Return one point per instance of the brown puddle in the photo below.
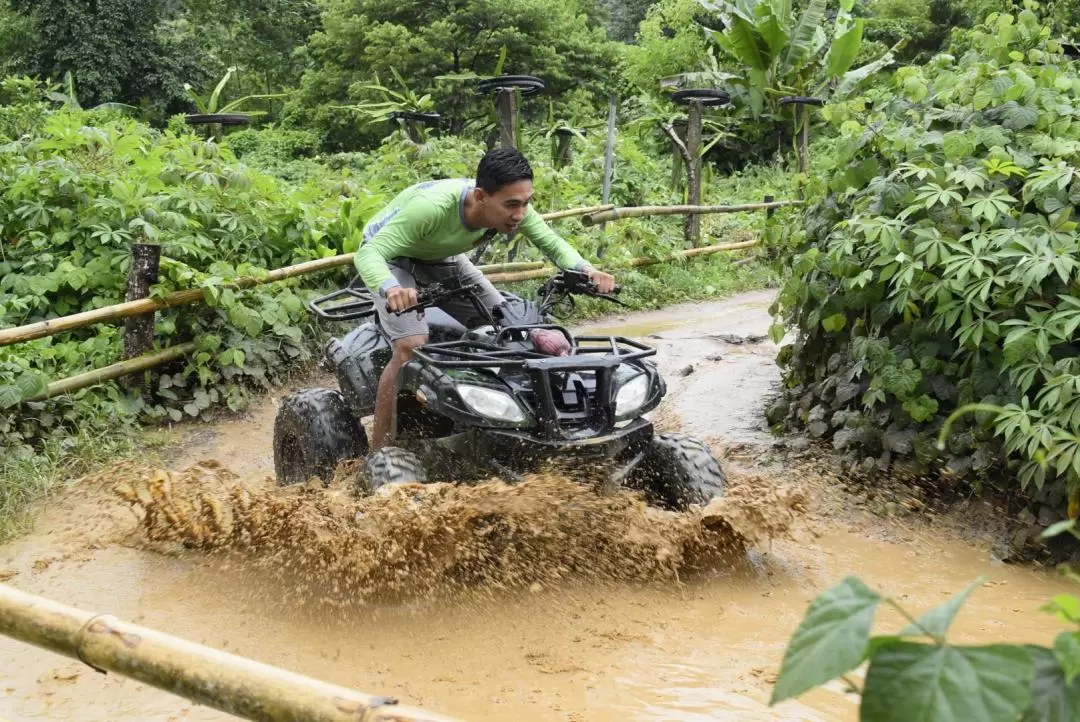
(645, 623)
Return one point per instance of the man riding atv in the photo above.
(420, 239)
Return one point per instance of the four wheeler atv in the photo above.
(479, 402)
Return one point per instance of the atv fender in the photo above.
(358, 360)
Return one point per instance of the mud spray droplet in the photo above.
(330, 549)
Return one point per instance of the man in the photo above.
(421, 237)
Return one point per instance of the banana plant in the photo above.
(69, 98)
(789, 54)
(394, 105)
(212, 105)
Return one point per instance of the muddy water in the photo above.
(704, 648)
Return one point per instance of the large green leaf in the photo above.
(853, 79)
(1067, 651)
(910, 682)
(745, 43)
(832, 639)
(937, 621)
(1052, 700)
(802, 38)
(31, 384)
(843, 50)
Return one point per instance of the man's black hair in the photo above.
(501, 167)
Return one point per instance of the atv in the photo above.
(480, 402)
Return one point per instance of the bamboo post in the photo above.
(113, 371)
(227, 682)
(692, 225)
(592, 219)
(508, 110)
(609, 156)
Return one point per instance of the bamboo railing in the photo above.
(227, 682)
(497, 273)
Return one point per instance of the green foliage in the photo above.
(785, 52)
(949, 246)
(917, 674)
(624, 17)
(215, 103)
(565, 44)
(924, 26)
(113, 48)
(74, 197)
(669, 42)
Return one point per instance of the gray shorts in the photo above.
(416, 274)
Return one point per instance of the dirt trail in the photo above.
(704, 648)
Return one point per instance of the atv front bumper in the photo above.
(522, 451)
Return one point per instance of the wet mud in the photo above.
(535, 601)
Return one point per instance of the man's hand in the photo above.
(605, 282)
(399, 298)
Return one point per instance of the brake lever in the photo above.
(610, 297)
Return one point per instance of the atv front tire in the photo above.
(313, 431)
(391, 465)
(677, 471)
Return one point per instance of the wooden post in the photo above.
(692, 226)
(609, 155)
(139, 330)
(678, 177)
(564, 150)
(508, 110)
(804, 139)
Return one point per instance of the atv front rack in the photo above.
(603, 352)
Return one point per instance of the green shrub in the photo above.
(941, 268)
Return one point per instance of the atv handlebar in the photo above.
(439, 293)
(355, 301)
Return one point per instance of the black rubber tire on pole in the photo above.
(708, 96)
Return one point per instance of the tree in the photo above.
(565, 44)
(624, 17)
(257, 37)
(113, 48)
(669, 42)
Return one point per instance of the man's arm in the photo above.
(397, 237)
(561, 253)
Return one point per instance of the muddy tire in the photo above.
(678, 471)
(391, 465)
(313, 432)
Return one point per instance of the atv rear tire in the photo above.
(391, 465)
(313, 431)
(677, 471)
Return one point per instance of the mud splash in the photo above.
(439, 540)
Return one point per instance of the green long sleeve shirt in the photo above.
(427, 222)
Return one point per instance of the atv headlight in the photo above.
(631, 396)
(491, 403)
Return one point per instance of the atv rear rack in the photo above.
(608, 352)
(328, 307)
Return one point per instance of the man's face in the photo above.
(505, 208)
